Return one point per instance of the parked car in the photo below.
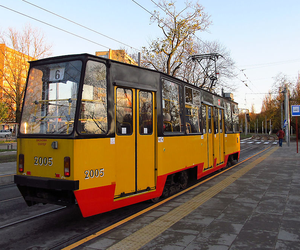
(5, 133)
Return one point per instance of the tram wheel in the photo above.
(155, 200)
(183, 180)
(228, 164)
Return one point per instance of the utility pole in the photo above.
(139, 59)
(287, 115)
(245, 123)
(281, 109)
(266, 127)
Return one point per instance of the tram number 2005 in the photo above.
(94, 173)
(46, 161)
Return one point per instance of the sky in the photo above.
(262, 36)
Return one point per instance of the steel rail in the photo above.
(31, 217)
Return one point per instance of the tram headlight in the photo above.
(21, 163)
(67, 166)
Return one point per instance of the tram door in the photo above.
(210, 138)
(219, 136)
(222, 136)
(135, 141)
(216, 136)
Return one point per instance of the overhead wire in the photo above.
(270, 64)
(144, 8)
(153, 15)
(53, 26)
(85, 27)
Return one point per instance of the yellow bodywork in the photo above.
(105, 161)
(89, 159)
(40, 159)
(175, 153)
(232, 143)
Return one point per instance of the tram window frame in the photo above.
(124, 127)
(216, 120)
(228, 118)
(209, 119)
(172, 106)
(203, 116)
(145, 125)
(192, 104)
(94, 89)
(51, 98)
(221, 120)
(235, 117)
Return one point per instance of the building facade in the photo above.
(118, 55)
(13, 73)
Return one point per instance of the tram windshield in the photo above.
(51, 97)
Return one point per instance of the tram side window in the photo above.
(204, 119)
(124, 112)
(221, 120)
(235, 117)
(93, 109)
(216, 120)
(171, 107)
(228, 118)
(209, 120)
(146, 113)
(192, 111)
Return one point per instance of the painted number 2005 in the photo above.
(94, 173)
(46, 161)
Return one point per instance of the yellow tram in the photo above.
(104, 134)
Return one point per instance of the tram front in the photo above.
(65, 102)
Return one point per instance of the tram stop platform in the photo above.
(254, 205)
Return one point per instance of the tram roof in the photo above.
(86, 56)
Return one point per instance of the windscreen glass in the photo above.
(93, 107)
(51, 97)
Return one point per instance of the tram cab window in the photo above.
(124, 109)
(93, 108)
(171, 107)
(51, 98)
(145, 113)
(192, 111)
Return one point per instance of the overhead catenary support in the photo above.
(210, 68)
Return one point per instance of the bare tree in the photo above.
(167, 54)
(16, 49)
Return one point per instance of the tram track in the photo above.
(110, 220)
(30, 218)
(11, 199)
